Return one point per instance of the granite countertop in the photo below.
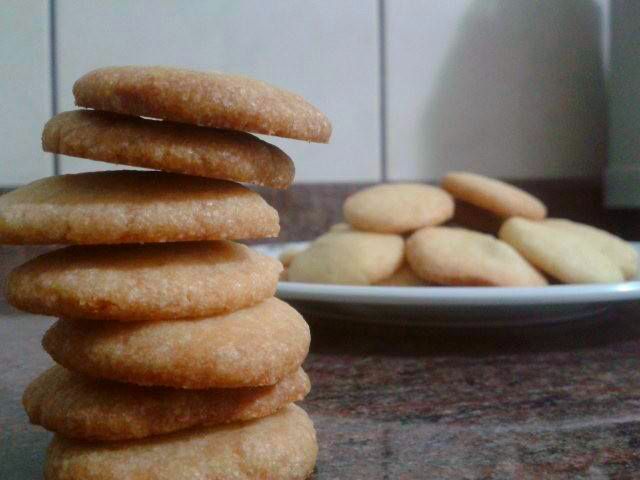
(405, 403)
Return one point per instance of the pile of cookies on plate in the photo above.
(174, 359)
(417, 235)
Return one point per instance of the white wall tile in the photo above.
(326, 51)
(512, 88)
(25, 90)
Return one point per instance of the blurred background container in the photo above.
(623, 170)
(511, 88)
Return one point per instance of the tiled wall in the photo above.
(513, 88)
(25, 90)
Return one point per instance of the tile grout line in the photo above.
(383, 89)
(53, 71)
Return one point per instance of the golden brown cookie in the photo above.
(281, 446)
(616, 249)
(209, 99)
(132, 207)
(77, 406)
(564, 255)
(455, 256)
(403, 277)
(498, 197)
(255, 346)
(397, 207)
(173, 147)
(348, 258)
(154, 281)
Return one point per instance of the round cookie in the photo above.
(76, 406)
(132, 207)
(568, 257)
(616, 249)
(173, 147)
(348, 258)
(154, 281)
(281, 446)
(255, 346)
(403, 277)
(209, 99)
(397, 208)
(455, 256)
(498, 197)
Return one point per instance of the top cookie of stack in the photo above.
(160, 337)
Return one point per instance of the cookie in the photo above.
(348, 258)
(209, 99)
(564, 255)
(403, 277)
(498, 197)
(132, 207)
(76, 406)
(397, 208)
(455, 256)
(168, 146)
(255, 346)
(155, 281)
(616, 249)
(281, 446)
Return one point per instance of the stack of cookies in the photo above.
(174, 358)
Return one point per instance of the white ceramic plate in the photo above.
(453, 306)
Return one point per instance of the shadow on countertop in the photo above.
(616, 327)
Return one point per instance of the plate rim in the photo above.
(458, 296)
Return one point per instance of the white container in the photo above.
(622, 178)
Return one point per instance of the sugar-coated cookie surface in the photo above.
(282, 446)
(255, 346)
(616, 249)
(77, 406)
(209, 99)
(169, 146)
(132, 207)
(500, 198)
(148, 282)
(348, 258)
(455, 256)
(564, 255)
(397, 207)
